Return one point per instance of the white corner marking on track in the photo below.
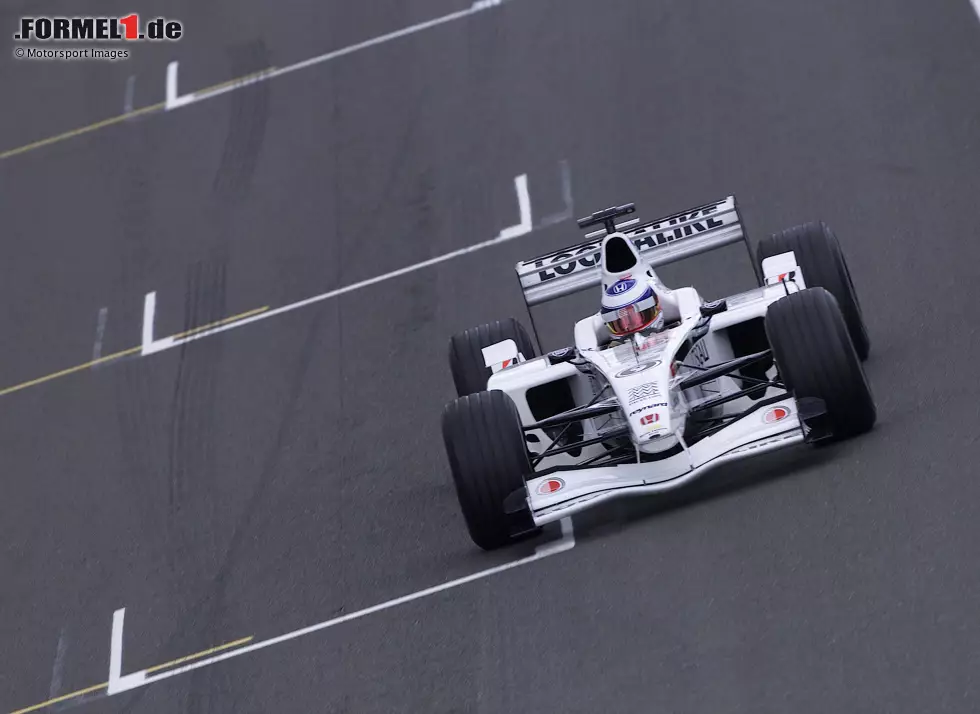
(149, 315)
(976, 7)
(524, 203)
(119, 683)
(151, 346)
(173, 100)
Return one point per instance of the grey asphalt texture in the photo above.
(291, 471)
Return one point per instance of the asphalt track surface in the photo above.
(291, 471)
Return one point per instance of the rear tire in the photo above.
(470, 374)
(489, 461)
(816, 358)
(819, 255)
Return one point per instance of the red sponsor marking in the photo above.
(550, 486)
(775, 414)
(649, 419)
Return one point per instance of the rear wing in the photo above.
(681, 235)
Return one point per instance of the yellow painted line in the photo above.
(239, 80)
(271, 72)
(128, 115)
(124, 353)
(78, 132)
(199, 655)
(219, 323)
(62, 698)
(157, 668)
(66, 372)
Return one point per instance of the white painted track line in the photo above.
(568, 212)
(138, 679)
(149, 314)
(175, 100)
(58, 669)
(128, 96)
(516, 231)
(150, 345)
(99, 333)
(976, 7)
(118, 683)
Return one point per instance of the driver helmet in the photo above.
(630, 305)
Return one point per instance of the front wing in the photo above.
(564, 493)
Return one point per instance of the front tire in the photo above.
(819, 255)
(489, 461)
(816, 358)
(470, 374)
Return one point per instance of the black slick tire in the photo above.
(489, 462)
(819, 255)
(816, 358)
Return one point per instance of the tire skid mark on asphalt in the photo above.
(524, 227)
(193, 419)
(562, 545)
(122, 355)
(193, 415)
(239, 647)
(141, 424)
(80, 696)
(247, 126)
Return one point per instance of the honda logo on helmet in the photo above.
(621, 287)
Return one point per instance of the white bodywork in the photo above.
(643, 378)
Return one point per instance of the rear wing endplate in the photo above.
(681, 235)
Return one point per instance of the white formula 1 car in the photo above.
(532, 439)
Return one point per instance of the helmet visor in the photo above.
(632, 318)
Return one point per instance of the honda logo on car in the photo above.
(649, 419)
(550, 486)
(775, 414)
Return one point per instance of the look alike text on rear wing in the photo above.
(666, 240)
